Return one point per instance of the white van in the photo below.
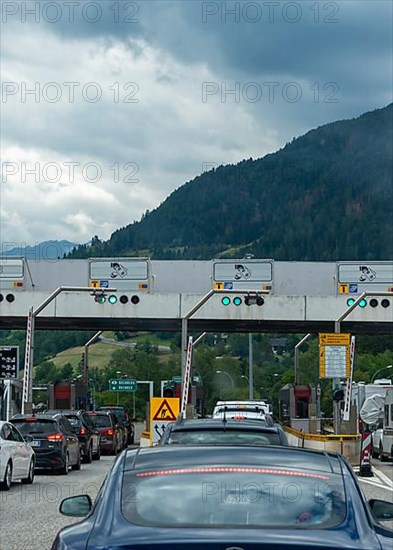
(387, 434)
(245, 409)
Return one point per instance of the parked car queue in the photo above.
(57, 441)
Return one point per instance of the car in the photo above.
(111, 434)
(243, 405)
(17, 458)
(88, 435)
(227, 497)
(238, 409)
(217, 432)
(54, 442)
(377, 442)
(125, 420)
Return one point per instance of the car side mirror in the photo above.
(28, 438)
(78, 506)
(382, 509)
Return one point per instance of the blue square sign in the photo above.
(104, 284)
(228, 286)
(352, 288)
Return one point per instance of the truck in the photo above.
(387, 433)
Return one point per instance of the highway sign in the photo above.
(123, 384)
(334, 362)
(334, 339)
(162, 411)
(242, 274)
(9, 361)
(122, 273)
(362, 276)
(177, 379)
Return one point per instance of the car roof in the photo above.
(273, 456)
(199, 424)
(39, 416)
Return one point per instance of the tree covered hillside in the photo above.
(327, 195)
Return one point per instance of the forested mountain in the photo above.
(327, 195)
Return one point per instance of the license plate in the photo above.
(36, 443)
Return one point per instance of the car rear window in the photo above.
(101, 421)
(227, 496)
(73, 420)
(119, 413)
(36, 427)
(227, 437)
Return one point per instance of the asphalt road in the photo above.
(29, 516)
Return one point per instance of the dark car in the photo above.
(125, 420)
(227, 497)
(54, 441)
(111, 433)
(213, 431)
(86, 432)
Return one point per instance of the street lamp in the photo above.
(245, 377)
(380, 370)
(230, 378)
(124, 375)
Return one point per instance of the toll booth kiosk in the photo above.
(297, 405)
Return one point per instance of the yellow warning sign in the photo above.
(165, 410)
(333, 339)
(94, 284)
(162, 412)
(218, 286)
(343, 289)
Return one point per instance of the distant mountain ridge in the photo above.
(47, 250)
(327, 195)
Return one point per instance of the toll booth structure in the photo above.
(297, 404)
(10, 397)
(68, 395)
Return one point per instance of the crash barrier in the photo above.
(347, 445)
(365, 453)
(145, 439)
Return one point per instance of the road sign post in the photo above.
(123, 384)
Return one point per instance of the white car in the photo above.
(17, 458)
(377, 439)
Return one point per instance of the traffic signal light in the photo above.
(372, 303)
(9, 298)
(169, 390)
(338, 394)
(249, 300)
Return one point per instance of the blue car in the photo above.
(227, 498)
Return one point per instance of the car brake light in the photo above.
(83, 431)
(55, 437)
(108, 431)
(31, 419)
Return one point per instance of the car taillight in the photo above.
(108, 431)
(83, 431)
(55, 437)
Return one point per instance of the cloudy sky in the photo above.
(107, 107)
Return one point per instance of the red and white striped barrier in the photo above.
(365, 455)
(27, 389)
(186, 381)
